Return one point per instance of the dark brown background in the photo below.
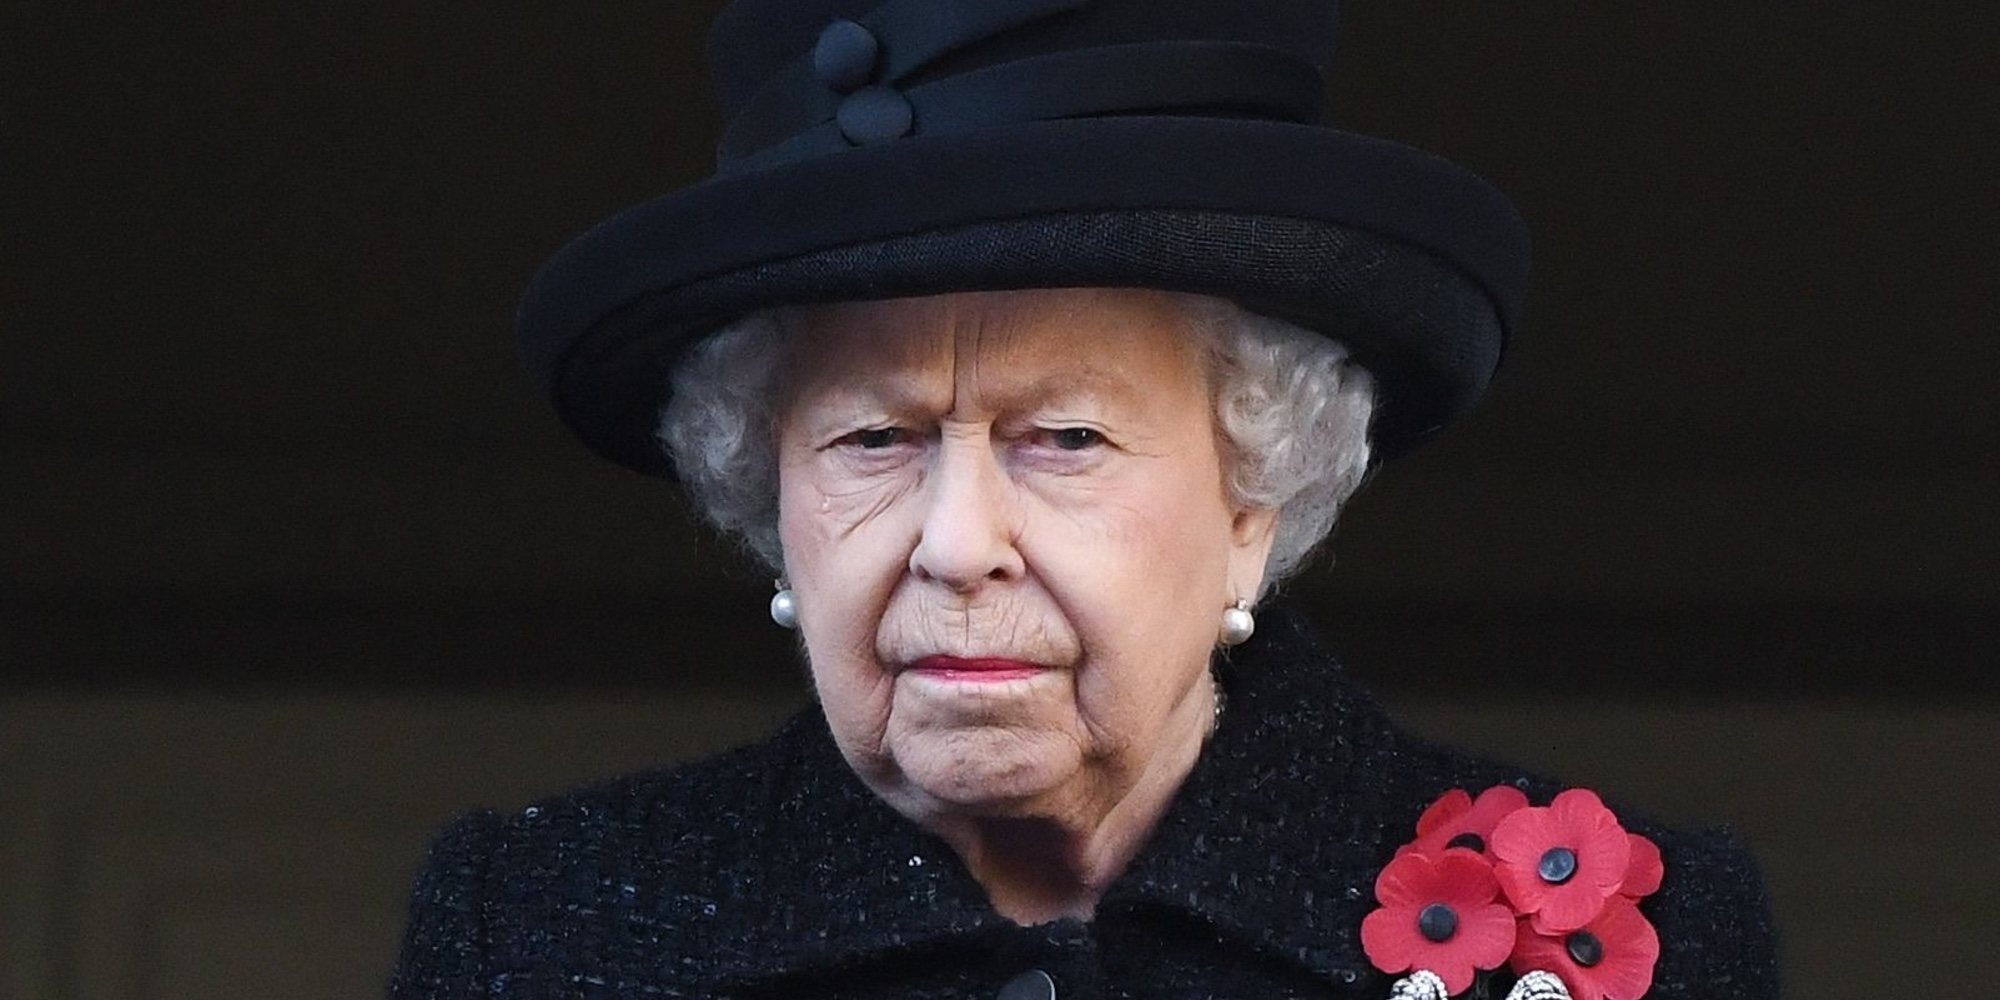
(262, 435)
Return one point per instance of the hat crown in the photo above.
(882, 148)
(753, 42)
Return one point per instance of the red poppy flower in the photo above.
(1439, 912)
(1559, 863)
(1610, 958)
(1645, 871)
(1457, 820)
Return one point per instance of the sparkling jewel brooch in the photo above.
(1550, 892)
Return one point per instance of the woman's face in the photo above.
(1004, 521)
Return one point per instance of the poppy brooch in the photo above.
(1550, 892)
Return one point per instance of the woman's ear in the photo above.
(1251, 532)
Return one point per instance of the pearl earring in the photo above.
(1238, 624)
(784, 607)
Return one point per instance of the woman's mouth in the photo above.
(975, 669)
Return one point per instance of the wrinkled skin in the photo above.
(1029, 475)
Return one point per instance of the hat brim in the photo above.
(1414, 263)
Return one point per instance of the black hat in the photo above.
(881, 149)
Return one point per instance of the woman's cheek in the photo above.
(1104, 508)
(1081, 489)
(847, 497)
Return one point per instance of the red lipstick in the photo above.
(983, 668)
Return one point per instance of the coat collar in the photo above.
(1275, 839)
(1272, 840)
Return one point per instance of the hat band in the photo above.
(1217, 78)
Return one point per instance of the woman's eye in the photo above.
(1075, 438)
(874, 438)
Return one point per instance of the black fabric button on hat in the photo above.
(845, 57)
(1033, 984)
(875, 114)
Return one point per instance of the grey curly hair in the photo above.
(1291, 409)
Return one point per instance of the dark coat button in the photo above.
(874, 114)
(845, 57)
(1033, 984)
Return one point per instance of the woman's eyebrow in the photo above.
(886, 397)
(894, 393)
(1068, 385)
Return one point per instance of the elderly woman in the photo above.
(1030, 343)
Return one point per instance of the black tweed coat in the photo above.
(771, 871)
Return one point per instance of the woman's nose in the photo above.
(971, 519)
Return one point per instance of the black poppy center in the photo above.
(1468, 840)
(1585, 949)
(1557, 865)
(1437, 923)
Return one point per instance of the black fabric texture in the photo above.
(770, 871)
(953, 156)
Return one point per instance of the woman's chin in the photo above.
(988, 771)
